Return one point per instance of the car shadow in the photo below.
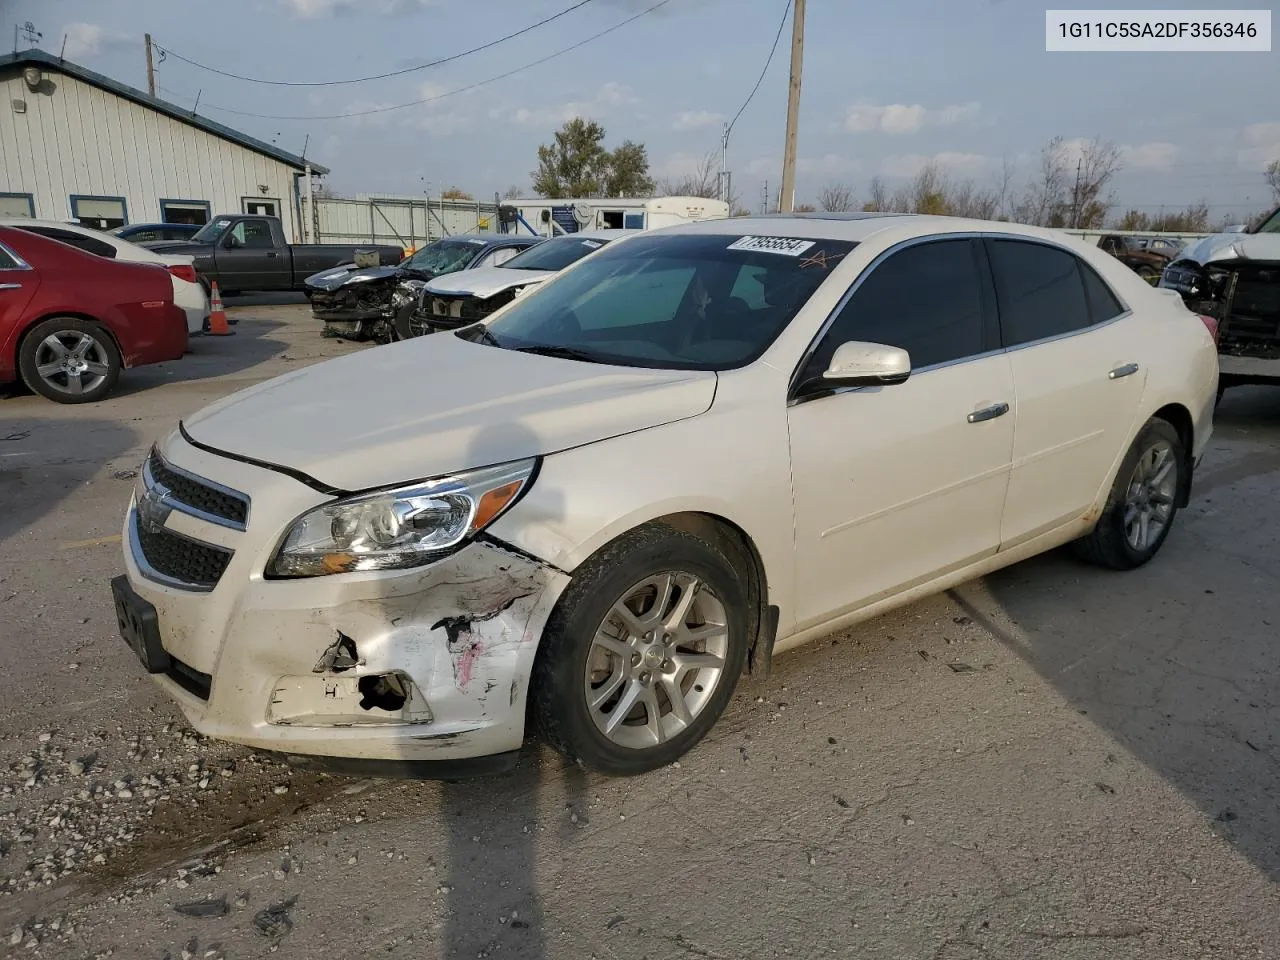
(250, 345)
(1177, 660)
(265, 298)
(43, 461)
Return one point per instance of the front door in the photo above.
(248, 259)
(1075, 353)
(896, 485)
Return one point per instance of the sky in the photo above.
(886, 87)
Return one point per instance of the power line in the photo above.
(377, 76)
(772, 50)
(440, 96)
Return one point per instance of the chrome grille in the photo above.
(193, 495)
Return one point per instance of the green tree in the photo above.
(456, 193)
(575, 164)
(628, 174)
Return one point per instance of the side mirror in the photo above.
(857, 364)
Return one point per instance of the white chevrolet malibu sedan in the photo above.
(590, 514)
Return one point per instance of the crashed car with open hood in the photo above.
(1234, 278)
(596, 509)
(350, 294)
(449, 302)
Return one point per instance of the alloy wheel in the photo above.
(72, 362)
(1149, 500)
(656, 660)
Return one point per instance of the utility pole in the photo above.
(151, 68)
(787, 199)
(1075, 198)
(764, 197)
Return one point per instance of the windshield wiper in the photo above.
(564, 353)
(479, 334)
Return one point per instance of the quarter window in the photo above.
(1103, 305)
(1039, 289)
(92, 245)
(926, 299)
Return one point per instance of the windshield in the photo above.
(211, 231)
(444, 256)
(555, 254)
(1271, 224)
(700, 302)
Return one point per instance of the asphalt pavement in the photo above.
(1053, 762)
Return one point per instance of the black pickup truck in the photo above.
(247, 252)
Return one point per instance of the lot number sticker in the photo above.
(786, 246)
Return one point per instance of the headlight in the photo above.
(398, 528)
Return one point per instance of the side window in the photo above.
(78, 240)
(1103, 304)
(253, 235)
(1039, 291)
(615, 302)
(496, 258)
(143, 236)
(7, 260)
(926, 299)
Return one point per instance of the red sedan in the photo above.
(70, 321)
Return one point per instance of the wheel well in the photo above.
(1179, 417)
(71, 314)
(738, 546)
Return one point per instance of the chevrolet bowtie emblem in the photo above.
(153, 509)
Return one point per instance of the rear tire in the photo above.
(69, 360)
(1143, 502)
(655, 626)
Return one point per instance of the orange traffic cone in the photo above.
(218, 326)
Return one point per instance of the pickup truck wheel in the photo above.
(69, 360)
(1149, 273)
(642, 652)
(1143, 501)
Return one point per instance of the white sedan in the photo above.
(188, 293)
(685, 453)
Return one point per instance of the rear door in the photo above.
(18, 284)
(1078, 373)
(249, 258)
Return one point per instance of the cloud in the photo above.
(1149, 156)
(1261, 145)
(317, 9)
(900, 118)
(696, 120)
(606, 99)
(827, 165)
(677, 166)
(88, 40)
(951, 162)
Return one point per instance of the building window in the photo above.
(634, 221)
(17, 205)
(185, 211)
(260, 206)
(104, 213)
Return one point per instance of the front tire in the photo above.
(642, 653)
(69, 360)
(1143, 501)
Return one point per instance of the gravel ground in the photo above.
(1054, 762)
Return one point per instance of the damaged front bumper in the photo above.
(370, 300)
(424, 668)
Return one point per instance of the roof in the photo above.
(40, 58)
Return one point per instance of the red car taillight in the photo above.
(183, 271)
(1212, 324)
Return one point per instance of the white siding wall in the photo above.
(83, 140)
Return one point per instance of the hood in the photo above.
(435, 405)
(484, 282)
(1224, 247)
(335, 277)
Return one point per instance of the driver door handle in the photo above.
(989, 413)
(1126, 370)
(10, 286)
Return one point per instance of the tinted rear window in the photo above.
(1039, 290)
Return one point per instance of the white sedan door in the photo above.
(895, 485)
(1078, 373)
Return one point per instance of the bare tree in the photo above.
(1273, 179)
(967, 199)
(1047, 195)
(1100, 160)
(1004, 190)
(879, 196)
(804, 208)
(837, 198)
(512, 193)
(704, 181)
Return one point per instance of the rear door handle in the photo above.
(10, 286)
(989, 413)
(1127, 370)
(272, 253)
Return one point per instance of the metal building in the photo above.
(76, 145)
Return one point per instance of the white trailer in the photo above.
(551, 217)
